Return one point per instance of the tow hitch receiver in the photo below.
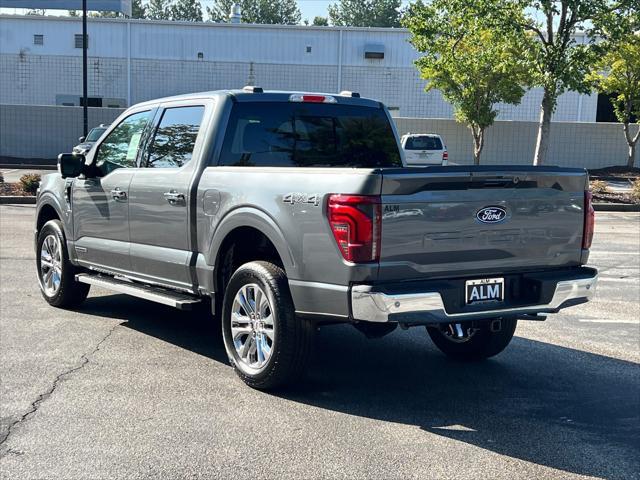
(495, 325)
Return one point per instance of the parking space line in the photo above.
(629, 321)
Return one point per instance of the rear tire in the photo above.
(483, 343)
(267, 345)
(56, 274)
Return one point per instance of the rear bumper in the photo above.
(406, 305)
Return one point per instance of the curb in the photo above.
(16, 200)
(613, 178)
(616, 207)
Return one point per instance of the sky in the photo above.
(313, 8)
(308, 8)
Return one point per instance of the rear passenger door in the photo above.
(159, 205)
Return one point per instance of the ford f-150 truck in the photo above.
(293, 210)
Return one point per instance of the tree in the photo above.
(558, 62)
(186, 10)
(282, 12)
(617, 72)
(138, 9)
(473, 63)
(159, 10)
(321, 21)
(365, 13)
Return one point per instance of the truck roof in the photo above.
(256, 94)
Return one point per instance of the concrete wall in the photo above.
(44, 131)
(588, 145)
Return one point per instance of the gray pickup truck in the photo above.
(288, 211)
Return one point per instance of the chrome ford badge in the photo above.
(491, 214)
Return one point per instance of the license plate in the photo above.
(484, 290)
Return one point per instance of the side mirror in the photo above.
(70, 164)
(81, 139)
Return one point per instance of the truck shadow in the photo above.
(562, 408)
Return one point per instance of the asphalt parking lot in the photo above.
(124, 388)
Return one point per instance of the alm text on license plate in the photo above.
(484, 290)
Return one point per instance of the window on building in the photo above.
(175, 138)
(78, 40)
(120, 148)
(91, 101)
(38, 39)
(605, 111)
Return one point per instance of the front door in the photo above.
(101, 203)
(159, 199)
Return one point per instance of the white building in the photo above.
(132, 61)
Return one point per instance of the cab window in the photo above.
(120, 148)
(175, 138)
(286, 134)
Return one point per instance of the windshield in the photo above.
(283, 134)
(423, 142)
(94, 134)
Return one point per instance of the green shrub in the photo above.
(30, 182)
(635, 190)
(599, 186)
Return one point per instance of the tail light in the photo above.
(589, 221)
(356, 222)
(445, 157)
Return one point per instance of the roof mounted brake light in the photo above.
(252, 89)
(347, 93)
(297, 97)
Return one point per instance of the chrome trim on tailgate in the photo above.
(377, 306)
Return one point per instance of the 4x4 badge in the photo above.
(309, 198)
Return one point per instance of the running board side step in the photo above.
(178, 300)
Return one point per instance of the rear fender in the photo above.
(254, 218)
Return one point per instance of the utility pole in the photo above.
(85, 100)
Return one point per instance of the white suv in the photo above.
(424, 149)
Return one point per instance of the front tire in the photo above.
(267, 345)
(466, 342)
(56, 274)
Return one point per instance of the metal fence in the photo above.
(573, 144)
(41, 132)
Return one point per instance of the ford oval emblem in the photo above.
(491, 214)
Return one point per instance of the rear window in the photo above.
(279, 134)
(423, 143)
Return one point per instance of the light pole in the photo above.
(85, 100)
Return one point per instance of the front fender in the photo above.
(52, 196)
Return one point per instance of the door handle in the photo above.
(175, 198)
(118, 194)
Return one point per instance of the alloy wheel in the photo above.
(51, 265)
(252, 326)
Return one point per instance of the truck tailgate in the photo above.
(480, 220)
